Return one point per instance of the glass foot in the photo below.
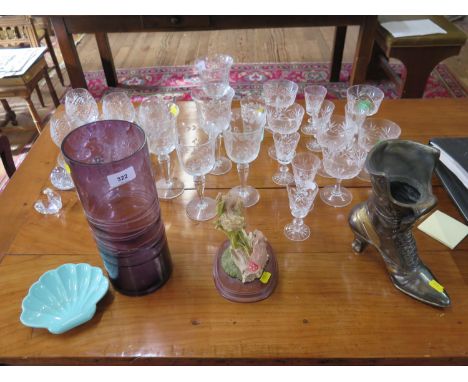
(313, 145)
(61, 179)
(296, 233)
(329, 196)
(49, 203)
(248, 194)
(272, 152)
(222, 166)
(364, 175)
(169, 190)
(283, 178)
(201, 211)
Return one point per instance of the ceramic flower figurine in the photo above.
(247, 256)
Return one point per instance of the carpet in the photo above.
(176, 81)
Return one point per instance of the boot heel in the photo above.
(358, 244)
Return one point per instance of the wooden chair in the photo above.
(25, 31)
(419, 54)
(7, 157)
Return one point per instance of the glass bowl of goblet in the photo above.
(213, 71)
(314, 96)
(285, 145)
(365, 98)
(80, 107)
(117, 105)
(305, 166)
(60, 175)
(322, 118)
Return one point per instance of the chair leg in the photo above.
(10, 114)
(34, 114)
(39, 95)
(51, 89)
(7, 157)
(50, 47)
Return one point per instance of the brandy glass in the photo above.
(214, 74)
(158, 119)
(117, 105)
(196, 152)
(214, 115)
(242, 140)
(301, 201)
(80, 107)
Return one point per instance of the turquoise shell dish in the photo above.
(64, 298)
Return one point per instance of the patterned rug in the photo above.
(176, 81)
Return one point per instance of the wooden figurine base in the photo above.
(234, 290)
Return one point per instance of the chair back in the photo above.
(17, 31)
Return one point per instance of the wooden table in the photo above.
(66, 26)
(330, 306)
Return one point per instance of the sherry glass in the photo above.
(158, 119)
(305, 166)
(321, 118)
(214, 74)
(117, 105)
(364, 98)
(278, 95)
(314, 96)
(285, 145)
(242, 140)
(196, 152)
(80, 107)
(60, 176)
(214, 115)
(301, 201)
(343, 162)
(253, 110)
(372, 132)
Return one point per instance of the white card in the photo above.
(121, 177)
(407, 28)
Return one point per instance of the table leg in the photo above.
(69, 53)
(363, 50)
(10, 114)
(106, 58)
(52, 92)
(7, 157)
(39, 95)
(338, 47)
(34, 114)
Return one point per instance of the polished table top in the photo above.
(330, 305)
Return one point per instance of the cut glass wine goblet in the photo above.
(60, 176)
(214, 74)
(305, 166)
(314, 96)
(322, 118)
(80, 107)
(285, 145)
(364, 98)
(196, 152)
(117, 105)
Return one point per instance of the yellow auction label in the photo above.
(67, 168)
(265, 277)
(174, 110)
(439, 288)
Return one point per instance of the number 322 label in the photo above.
(121, 177)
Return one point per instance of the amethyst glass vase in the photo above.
(110, 166)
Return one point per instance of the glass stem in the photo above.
(165, 164)
(243, 170)
(337, 188)
(200, 186)
(297, 222)
(220, 145)
(283, 169)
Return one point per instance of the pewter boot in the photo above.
(401, 173)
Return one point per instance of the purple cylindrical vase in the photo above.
(111, 168)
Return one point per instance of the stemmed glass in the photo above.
(364, 98)
(372, 132)
(314, 96)
(253, 110)
(117, 105)
(59, 128)
(343, 162)
(80, 107)
(214, 74)
(158, 119)
(300, 202)
(242, 140)
(196, 153)
(278, 95)
(214, 115)
(320, 118)
(305, 166)
(285, 145)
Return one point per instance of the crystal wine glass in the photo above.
(305, 166)
(278, 95)
(343, 162)
(285, 145)
(372, 132)
(314, 96)
(242, 140)
(158, 119)
(300, 202)
(321, 118)
(364, 98)
(253, 109)
(196, 152)
(59, 128)
(117, 105)
(214, 115)
(80, 107)
(214, 74)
